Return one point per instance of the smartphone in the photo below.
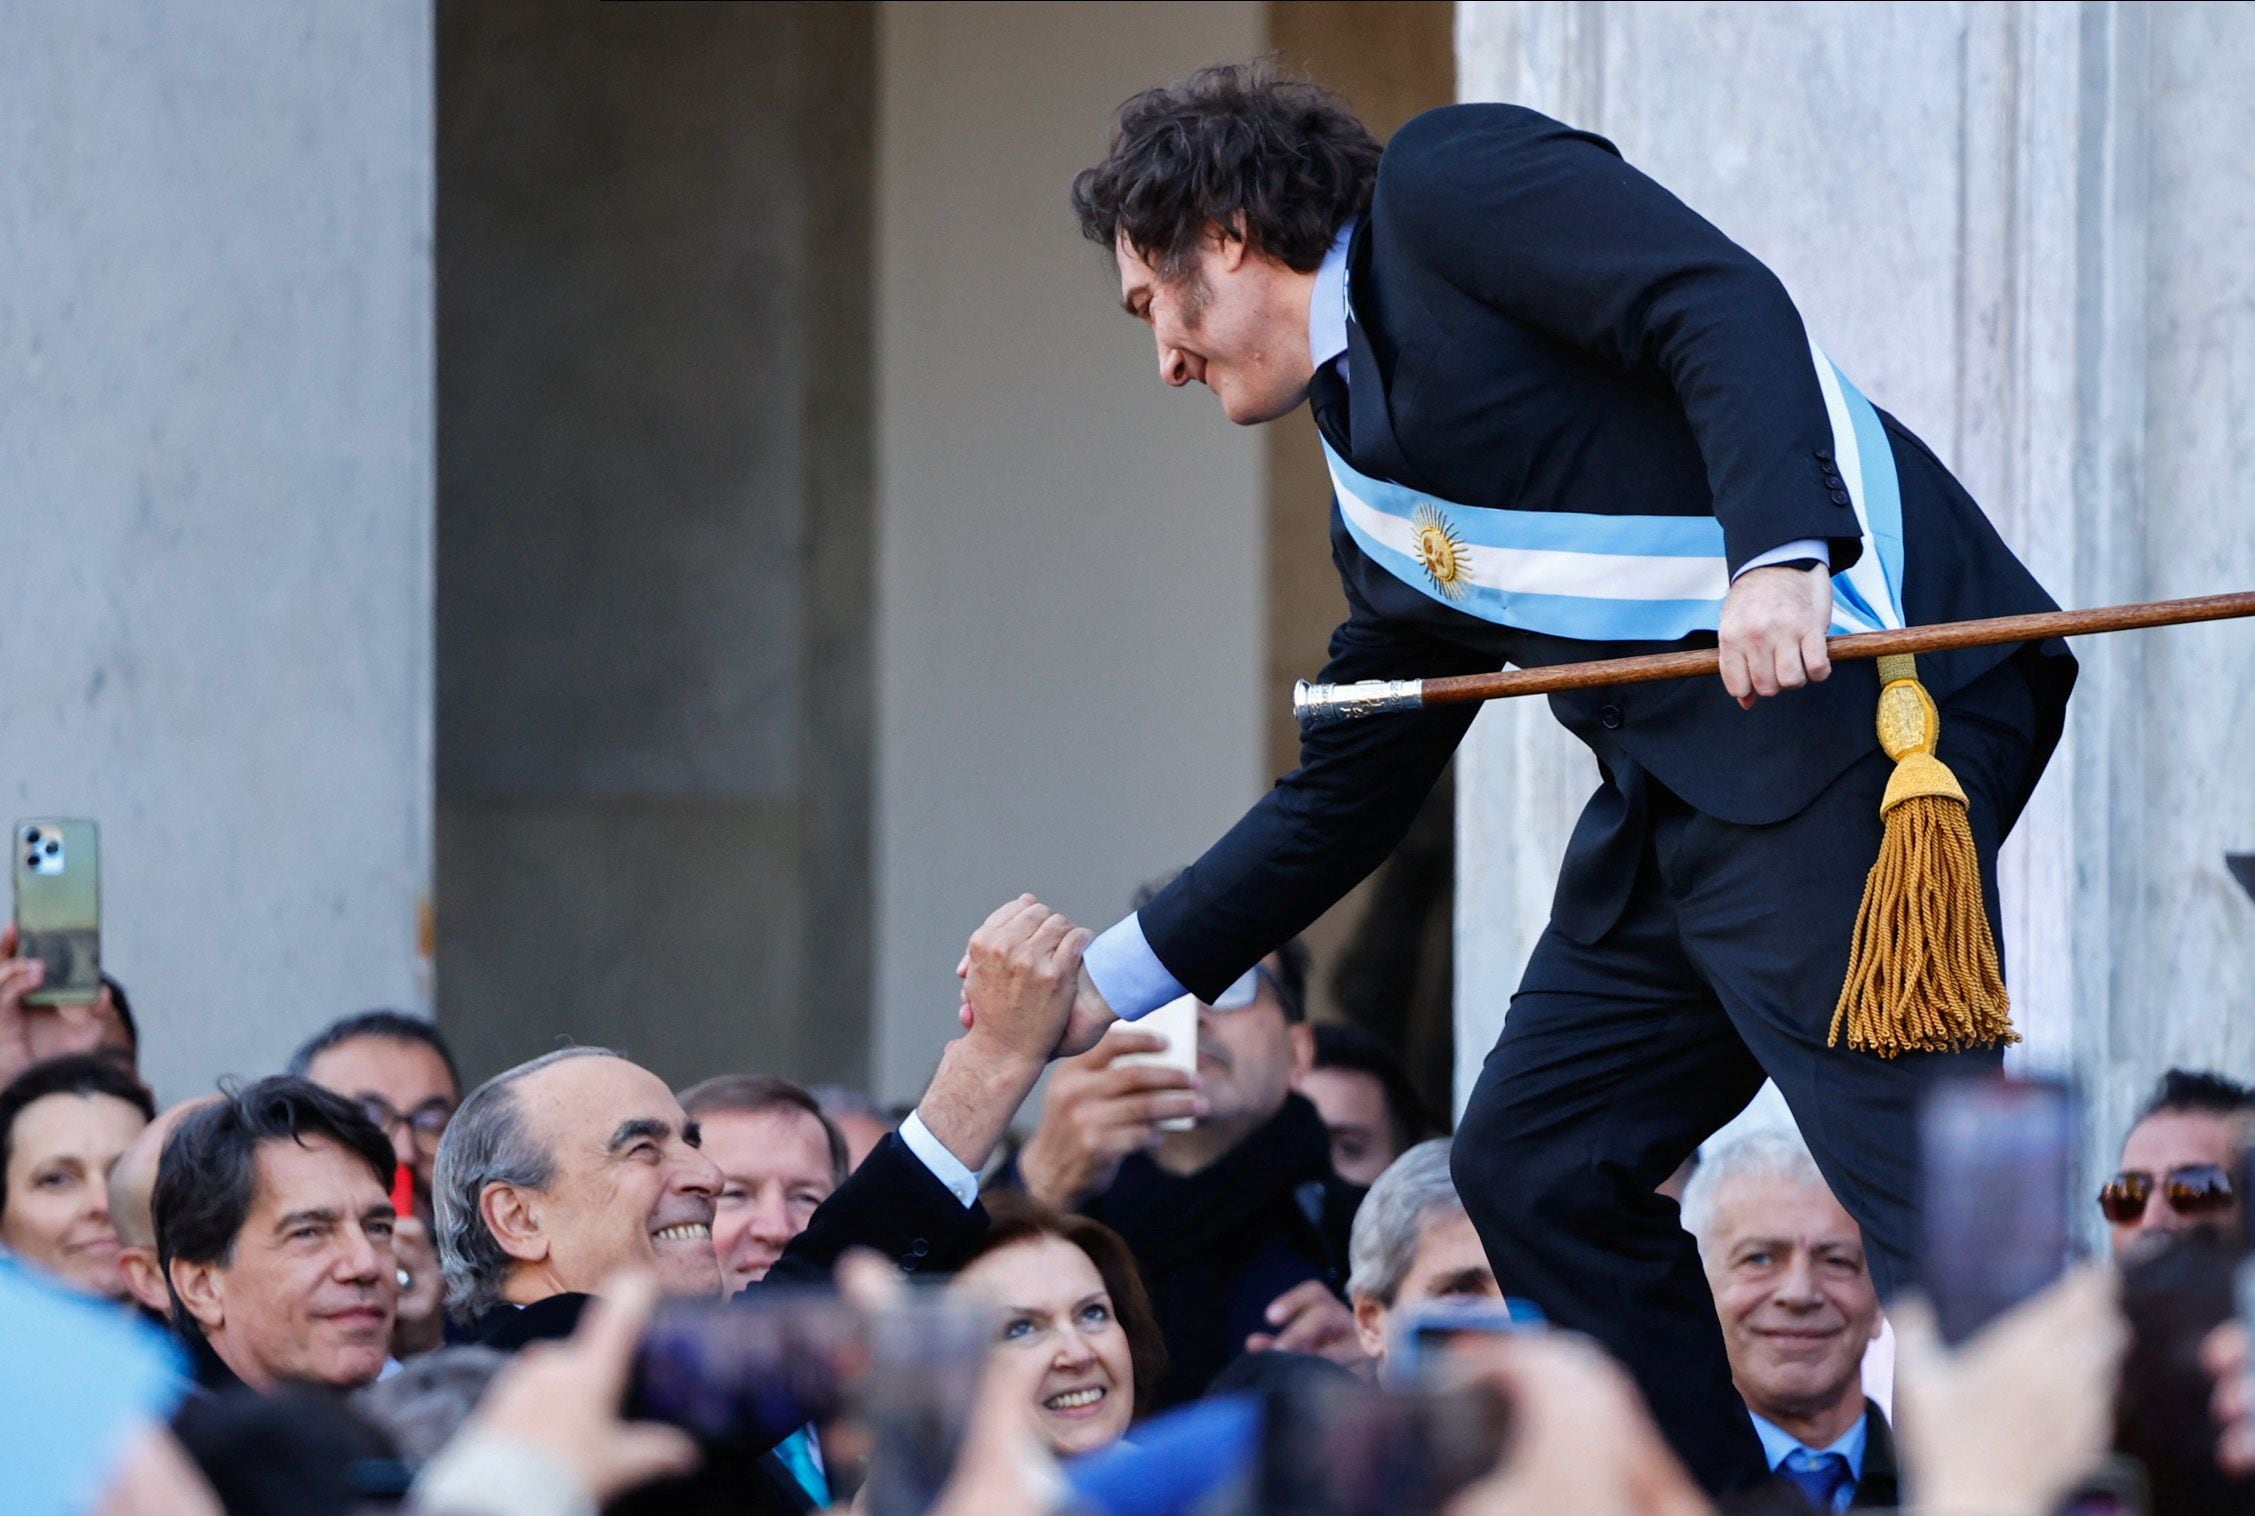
(59, 908)
(890, 1389)
(1424, 1334)
(1998, 1162)
(1177, 1021)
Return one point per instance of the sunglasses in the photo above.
(2197, 1189)
(1247, 989)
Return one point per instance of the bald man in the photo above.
(133, 1180)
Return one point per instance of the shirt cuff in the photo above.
(1806, 547)
(1127, 973)
(933, 1154)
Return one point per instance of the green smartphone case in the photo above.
(59, 907)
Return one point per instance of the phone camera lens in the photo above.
(53, 847)
(31, 834)
(31, 860)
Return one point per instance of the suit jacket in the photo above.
(1538, 326)
(892, 1204)
(1878, 1488)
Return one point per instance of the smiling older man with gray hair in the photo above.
(1798, 1309)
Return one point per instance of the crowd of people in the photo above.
(364, 1287)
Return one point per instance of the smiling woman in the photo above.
(63, 1124)
(1076, 1330)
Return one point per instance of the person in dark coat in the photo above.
(558, 1174)
(1567, 418)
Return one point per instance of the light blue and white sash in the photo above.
(1622, 578)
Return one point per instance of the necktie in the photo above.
(1820, 1476)
(797, 1454)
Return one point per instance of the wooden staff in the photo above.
(1322, 704)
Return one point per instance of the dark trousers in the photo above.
(1619, 1057)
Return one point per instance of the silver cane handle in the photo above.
(1315, 705)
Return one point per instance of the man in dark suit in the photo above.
(1568, 419)
(560, 1173)
(1798, 1312)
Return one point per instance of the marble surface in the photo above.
(215, 494)
(2025, 229)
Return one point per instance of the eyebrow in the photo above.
(321, 1215)
(1127, 301)
(1462, 1281)
(634, 1131)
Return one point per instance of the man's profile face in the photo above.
(629, 1189)
(2169, 1140)
(1352, 1103)
(308, 1291)
(1237, 322)
(1248, 1059)
(1798, 1307)
(774, 1171)
(399, 1082)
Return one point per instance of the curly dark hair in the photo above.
(1279, 161)
(2199, 1092)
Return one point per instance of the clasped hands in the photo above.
(1024, 987)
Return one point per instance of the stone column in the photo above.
(215, 496)
(2024, 229)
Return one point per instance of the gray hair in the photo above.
(1766, 1152)
(423, 1405)
(1414, 1191)
(487, 1142)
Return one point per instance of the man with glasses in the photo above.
(1238, 1223)
(2178, 1162)
(401, 1073)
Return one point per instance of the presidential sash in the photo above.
(1621, 578)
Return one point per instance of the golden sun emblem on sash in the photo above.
(1446, 559)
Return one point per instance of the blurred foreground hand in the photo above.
(2010, 1422)
(1581, 1440)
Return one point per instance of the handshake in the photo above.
(1026, 995)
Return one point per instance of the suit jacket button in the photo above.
(1824, 455)
(919, 1248)
(1839, 497)
(1609, 717)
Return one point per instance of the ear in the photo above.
(202, 1288)
(512, 1215)
(143, 1281)
(1370, 1326)
(1303, 1051)
(1229, 240)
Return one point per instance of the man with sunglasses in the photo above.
(2178, 1163)
(400, 1072)
(1238, 1224)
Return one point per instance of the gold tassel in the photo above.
(1922, 970)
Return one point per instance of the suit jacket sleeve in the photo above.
(1549, 226)
(893, 1204)
(1323, 826)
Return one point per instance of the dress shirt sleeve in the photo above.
(933, 1154)
(1791, 552)
(1127, 973)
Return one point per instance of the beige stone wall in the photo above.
(2025, 229)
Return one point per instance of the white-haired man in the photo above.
(1412, 1243)
(1798, 1309)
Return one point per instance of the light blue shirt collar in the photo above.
(1327, 303)
(1778, 1442)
